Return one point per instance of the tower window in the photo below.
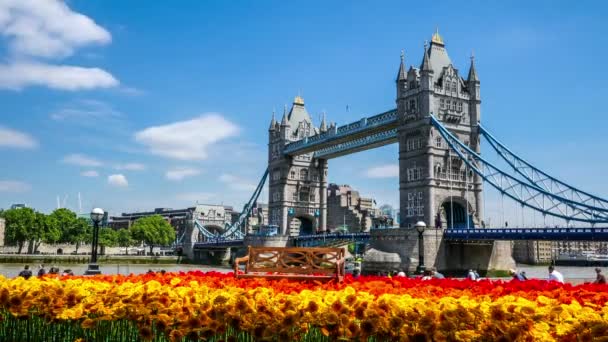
(304, 194)
(276, 196)
(452, 105)
(459, 106)
(442, 103)
(438, 141)
(454, 86)
(292, 174)
(303, 174)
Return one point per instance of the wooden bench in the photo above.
(301, 263)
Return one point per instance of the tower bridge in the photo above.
(437, 124)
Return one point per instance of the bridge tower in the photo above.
(434, 184)
(297, 185)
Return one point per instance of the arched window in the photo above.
(304, 174)
(292, 174)
(454, 86)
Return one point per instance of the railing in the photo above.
(219, 243)
(353, 144)
(548, 234)
(355, 127)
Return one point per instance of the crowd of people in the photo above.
(426, 274)
(27, 273)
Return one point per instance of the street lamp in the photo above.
(420, 227)
(96, 216)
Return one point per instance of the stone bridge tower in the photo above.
(297, 185)
(435, 186)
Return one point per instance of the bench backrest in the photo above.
(300, 260)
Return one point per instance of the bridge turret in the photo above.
(285, 126)
(273, 123)
(323, 126)
(401, 77)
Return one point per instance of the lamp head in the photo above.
(420, 226)
(97, 215)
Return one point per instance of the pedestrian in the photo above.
(25, 273)
(471, 275)
(356, 273)
(67, 272)
(54, 270)
(554, 275)
(600, 278)
(436, 274)
(517, 275)
(41, 271)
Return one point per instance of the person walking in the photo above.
(600, 278)
(471, 275)
(554, 275)
(41, 271)
(25, 273)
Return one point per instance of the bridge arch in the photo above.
(454, 214)
(212, 228)
(302, 224)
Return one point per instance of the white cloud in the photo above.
(383, 171)
(131, 167)
(180, 173)
(118, 180)
(14, 186)
(237, 183)
(47, 28)
(85, 111)
(19, 75)
(81, 160)
(13, 138)
(90, 173)
(195, 196)
(187, 140)
(36, 30)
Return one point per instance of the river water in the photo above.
(573, 274)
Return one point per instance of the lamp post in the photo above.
(96, 216)
(420, 227)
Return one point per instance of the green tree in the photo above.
(81, 232)
(108, 237)
(125, 239)
(19, 225)
(45, 229)
(153, 230)
(65, 220)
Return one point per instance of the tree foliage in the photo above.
(20, 226)
(153, 230)
(108, 237)
(124, 239)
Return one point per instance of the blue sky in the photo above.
(93, 91)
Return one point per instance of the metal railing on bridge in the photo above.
(365, 124)
(546, 234)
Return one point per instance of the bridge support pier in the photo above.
(398, 249)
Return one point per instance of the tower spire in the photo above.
(284, 119)
(437, 39)
(323, 126)
(472, 72)
(273, 122)
(426, 63)
(402, 73)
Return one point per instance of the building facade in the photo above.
(436, 186)
(2, 230)
(213, 217)
(347, 210)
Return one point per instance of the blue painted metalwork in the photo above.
(542, 179)
(203, 230)
(535, 197)
(329, 239)
(219, 243)
(547, 234)
(361, 126)
(345, 147)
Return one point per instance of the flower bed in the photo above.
(215, 306)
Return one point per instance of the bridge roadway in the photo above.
(369, 132)
(508, 234)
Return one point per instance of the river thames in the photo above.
(572, 274)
